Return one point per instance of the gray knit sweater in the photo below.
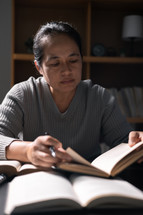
(28, 111)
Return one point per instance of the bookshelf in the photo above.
(98, 21)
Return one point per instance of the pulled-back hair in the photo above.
(52, 29)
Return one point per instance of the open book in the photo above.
(13, 168)
(53, 191)
(107, 164)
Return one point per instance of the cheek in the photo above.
(78, 71)
(45, 73)
(51, 78)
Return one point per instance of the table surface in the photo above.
(92, 212)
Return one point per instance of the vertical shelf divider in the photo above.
(88, 37)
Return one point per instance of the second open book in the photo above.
(107, 164)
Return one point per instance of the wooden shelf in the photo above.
(121, 60)
(135, 120)
(23, 57)
(89, 59)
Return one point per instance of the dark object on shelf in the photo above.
(111, 52)
(98, 50)
(122, 52)
(139, 54)
(29, 45)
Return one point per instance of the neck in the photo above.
(63, 100)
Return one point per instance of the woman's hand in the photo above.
(135, 137)
(40, 155)
(38, 152)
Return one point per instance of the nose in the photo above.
(66, 69)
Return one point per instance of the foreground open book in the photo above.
(108, 164)
(53, 191)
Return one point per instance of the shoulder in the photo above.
(96, 91)
(27, 89)
(92, 88)
(28, 85)
(30, 82)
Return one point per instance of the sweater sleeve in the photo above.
(11, 119)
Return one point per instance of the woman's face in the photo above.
(62, 64)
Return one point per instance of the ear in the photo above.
(37, 65)
(39, 68)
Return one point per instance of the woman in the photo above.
(72, 112)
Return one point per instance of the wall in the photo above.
(5, 46)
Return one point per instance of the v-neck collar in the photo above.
(72, 107)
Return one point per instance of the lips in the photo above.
(67, 81)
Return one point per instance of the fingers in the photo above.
(43, 159)
(39, 152)
(134, 137)
(63, 155)
(56, 147)
(48, 140)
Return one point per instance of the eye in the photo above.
(73, 60)
(54, 64)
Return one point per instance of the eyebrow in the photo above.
(56, 57)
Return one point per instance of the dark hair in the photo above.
(53, 28)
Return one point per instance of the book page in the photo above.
(76, 157)
(109, 159)
(9, 167)
(98, 192)
(40, 191)
(81, 165)
(28, 168)
(80, 168)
